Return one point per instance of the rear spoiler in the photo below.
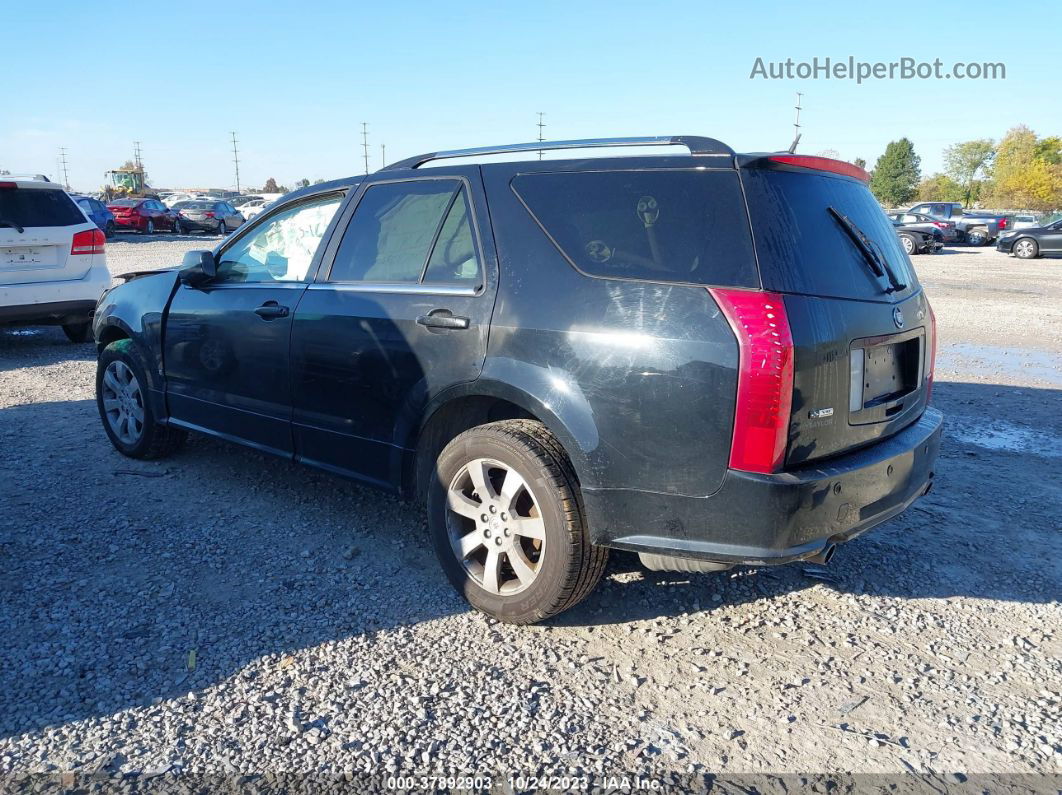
(811, 162)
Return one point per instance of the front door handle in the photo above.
(442, 318)
(271, 310)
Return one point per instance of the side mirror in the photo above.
(198, 268)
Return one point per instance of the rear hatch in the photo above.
(38, 221)
(861, 327)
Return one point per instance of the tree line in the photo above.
(1020, 171)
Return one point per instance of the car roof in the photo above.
(30, 182)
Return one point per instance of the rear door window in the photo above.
(31, 207)
(801, 246)
(390, 236)
(653, 225)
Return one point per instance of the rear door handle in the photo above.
(271, 310)
(442, 318)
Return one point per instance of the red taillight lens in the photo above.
(8, 185)
(939, 225)
(931, 344)
(91, 241)
(209, 215)
(1002, 223)
(823, 164)
(765, 377)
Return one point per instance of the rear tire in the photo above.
(1026, 248)
(532, 557)
(978, 236)
(77, 332)
(126, 411)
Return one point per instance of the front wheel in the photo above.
(122, 399)
(909, 244)
(109, 230)
(507, 523)
(150, 228)
(1026, 248)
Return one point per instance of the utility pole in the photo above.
(383, 155)
(541, 127)
(236, 160)
(136, 155)
(62, 160)
(365, 143)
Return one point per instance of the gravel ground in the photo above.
(224, 613)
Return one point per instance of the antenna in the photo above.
(383, 155)
(796, 125)
(541, 127)
(236, 160)
(62, 161)
(365, 143)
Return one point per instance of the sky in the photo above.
(296, 80)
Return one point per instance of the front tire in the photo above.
(909, 244)
(507, 523)
(1026, 248)
(149, 229)
(125, 409)
(109, 230)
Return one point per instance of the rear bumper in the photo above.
(768, 519)
(56, 312)
(204, 225)
(53, 302)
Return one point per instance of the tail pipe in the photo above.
(823, 556)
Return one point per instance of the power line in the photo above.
(541, 127)
(236, 160)
(62, 160)
(365, 143)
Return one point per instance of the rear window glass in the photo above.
(194, 205)
(29, 207)
(665, 226)
(125, 202)
(800, 244)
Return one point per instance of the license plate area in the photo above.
(886, 376)
(26, 257)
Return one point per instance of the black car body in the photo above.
(700, 383)
(1033, 242)
(917, 240)
(924, 223)
(199, 215)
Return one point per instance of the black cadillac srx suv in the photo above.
(709, 358)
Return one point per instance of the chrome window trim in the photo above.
(398, 288)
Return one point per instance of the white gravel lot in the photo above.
(224, 613)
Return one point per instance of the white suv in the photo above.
(53, 266)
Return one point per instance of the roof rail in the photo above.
(31, 177)
(696, 144)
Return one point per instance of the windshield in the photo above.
(819, 234)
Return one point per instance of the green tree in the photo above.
(939, 188)
(271, 186)
(896, 174)
(967, 161)
(860, 163)
(302, 183)
(318, 181)
(1027, 171)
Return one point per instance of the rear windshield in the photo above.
(802, 248)
(125, 202)
(662, 226)
(194, 205)
(34, 207)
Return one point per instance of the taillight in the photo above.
(931, 362)
(8, 185)
(765, 377)
(1002, 223)
(939, 225)
(823, 164)
(209, 215)
(91, 241)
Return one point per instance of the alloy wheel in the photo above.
(1024, 249)
(123, 402)
(495, 526)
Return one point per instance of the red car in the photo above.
(145, 216)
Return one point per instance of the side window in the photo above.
(390, 235)
(453, 259)
(921, 208)
(281, 249)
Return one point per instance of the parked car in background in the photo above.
(976, 229)
(97, 212)
(239, 201)
(1024, 222)
(1032, 242)
(916, 240)
(146, 216)
(173, 198)
(209, 216)
(558, 358)
(254, 207)
(925, 223)
(53, 262)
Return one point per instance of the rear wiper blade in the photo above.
(12, 224)
(879, 266)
